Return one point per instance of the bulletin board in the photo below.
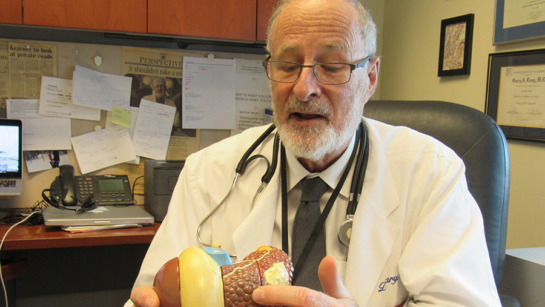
(108, 59)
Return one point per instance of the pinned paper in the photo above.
(56, 100)
(98, 90)
(134, 115)
(97, 150)
(37, 129)
(208, 93)
(121, 116)
(152, 129)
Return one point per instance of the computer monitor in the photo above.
(11, 157)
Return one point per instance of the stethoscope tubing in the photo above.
(355, 187)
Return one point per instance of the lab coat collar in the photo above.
(375, 226)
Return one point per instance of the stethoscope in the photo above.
(361, 148)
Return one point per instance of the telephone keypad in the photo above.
(89, 186)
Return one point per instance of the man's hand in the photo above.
(145, 296)
(335, 294)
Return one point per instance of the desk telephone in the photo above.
(70, 190)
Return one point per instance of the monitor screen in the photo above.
(11, 153)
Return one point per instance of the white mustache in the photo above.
(295, 105)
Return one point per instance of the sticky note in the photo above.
(121, 116)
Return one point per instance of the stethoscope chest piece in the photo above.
(345, 231)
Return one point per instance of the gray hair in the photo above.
(159, 81)
(367, 26)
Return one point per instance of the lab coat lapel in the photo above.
(375, 229)
(257, 229)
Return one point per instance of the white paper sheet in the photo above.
(56, 100)
(39, 132)
(98, 90)
(208, 93)
(97, 150)
(109, 123)
(522, 12)
(252, 94)
(152, 129)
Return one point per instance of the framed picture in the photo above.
(455, 46)
(515, 94)
(518, 20)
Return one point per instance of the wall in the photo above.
(376, 8)
(409, 71)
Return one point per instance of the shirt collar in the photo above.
(331, 175)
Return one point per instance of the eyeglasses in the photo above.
(325, 73)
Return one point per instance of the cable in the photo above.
(1, 244)
(133, 185)
(17, 214)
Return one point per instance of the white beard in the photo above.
(314, 143)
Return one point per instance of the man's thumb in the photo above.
(331, 279)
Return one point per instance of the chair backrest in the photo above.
(479, 141)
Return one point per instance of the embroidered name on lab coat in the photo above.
(388, 281)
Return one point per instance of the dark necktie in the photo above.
(306, 218)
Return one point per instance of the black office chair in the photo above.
(481, 144)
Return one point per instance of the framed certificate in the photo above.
(518, 20)
(515, 96)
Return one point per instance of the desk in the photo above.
(37, 237)
(74, 269)
(524, 276)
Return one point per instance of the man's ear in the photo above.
(372, 72)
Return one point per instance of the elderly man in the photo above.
(417, 237)
(160, 96)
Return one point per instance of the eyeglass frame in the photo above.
(352, 68)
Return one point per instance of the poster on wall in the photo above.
(157, 76)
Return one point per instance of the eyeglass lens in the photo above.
(326, 73)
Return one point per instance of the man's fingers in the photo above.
(331, 279)
(286, 296)
(293, 296)
(144, 296)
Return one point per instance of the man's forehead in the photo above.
(333, 46)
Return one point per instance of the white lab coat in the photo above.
(417, 231)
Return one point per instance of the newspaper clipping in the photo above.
(4, 77)
(27, 64)
(157, 77)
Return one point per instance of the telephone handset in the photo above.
(62, 188)
(68, 195)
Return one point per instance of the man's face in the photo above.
(160, 90)
(315, 119)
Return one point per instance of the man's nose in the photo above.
(307, 87)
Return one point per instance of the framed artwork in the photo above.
(515, 94)
(518, 20)
(455, 46)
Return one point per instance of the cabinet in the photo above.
(107, 15)
(225, 19)
(240, 20)
(11, 11)
(264, 11)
